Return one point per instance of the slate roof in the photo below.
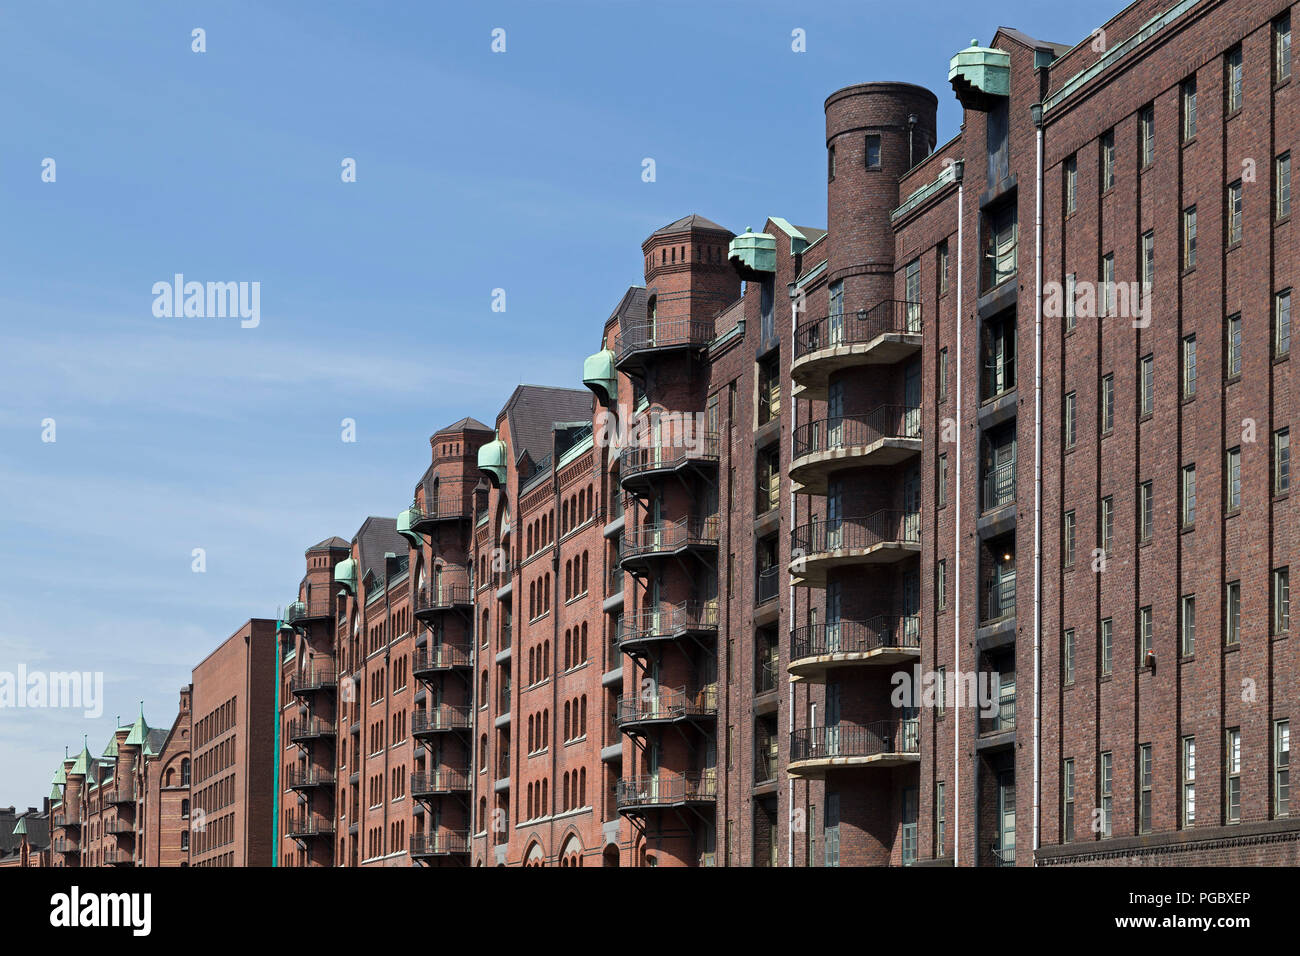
(533, 410)
(465, 424)
(330, 544)
(692, 221)
(374, 538)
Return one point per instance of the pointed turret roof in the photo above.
(139, 731)
(84, 760)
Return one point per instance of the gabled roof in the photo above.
(687, 223)
(153, 744)
(1025, 39)
(374, 539)
(631, 308)
(533, 410)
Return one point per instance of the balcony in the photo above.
(639, 344)
(669, 622)
(883, 640)
(664, 539)
(439, 782)
(635, 795)
(669, 705)
(124, 793)
(452, 593)
(1004, 721)
(442, 843)
(312, 681)
(317, 607)
(886, 334)
(430, 661)
(426, 516)
(66, 845)
(999, 487)
(306, 778)
(767, 673)
(639, 468)
(882, 538)
(767, 586)
(66, 821)
(118, 858)
(305, 826)
(999, 600)
(312, 728)
(440, 720)
(884, 743)
(887, 435)
(120, 827)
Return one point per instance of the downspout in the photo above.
(1038, 477)
(959, 171)
(275, 769)
(794, 424)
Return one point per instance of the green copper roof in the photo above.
(83, 761)
(345, 573)
(21, 828)
(111, 749)
(60, 776)
(979, 75)
(56, 796)
(752, 253)
(404, 519)
(139, 730)
(492, 460)
(598, 375)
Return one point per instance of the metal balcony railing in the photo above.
(670, 620)
(505, 636)
(668, 703)
(310, 729)
(856, 637)
(441, 657)
(318, 678)
(662, 332)
(308, 825)
(666, 537)
(453, 590)
(837, 534)
(768, 586)
(857, 431)
(124, 793)
(445, 507)
(666, 789)
(308, 777)
(64, 845)
(1000, 599)
(119, 827)
(614, 581)
(64, 820)
(439, 781)
(849, 740)
(702, 449)
(1000, 485)
(114, 857)
(766, 766)
(316, 606)
(1006, 716)
(767, 675)
(442, 717)
(442, 843)
(858, 328)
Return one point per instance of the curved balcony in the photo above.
(439, 782)
(123, 793)
(663, 791)
(442, 843)
(884, 743)
(430, 661)
(665, 539)
(306, 826)
(451, 593)
(883, 640)
(118, 858)
(883, 335)
(887, 435)
(119, 828)
(66, 821)
(307, 778)
(668, 706)
(881, 538)
(640, 468)
(64, 845)
(313, 681)
(638, 344)
(442, 719)
(424, 517)
(669, 622)
(312, 728)
(317, 607)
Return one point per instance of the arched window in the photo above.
(582, 787)
(584, 642)
(546, 658)
(567, 735)
(584, 573)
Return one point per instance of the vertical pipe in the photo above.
(794, 423)
(1038, 476)
(956, 615)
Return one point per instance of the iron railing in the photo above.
(442, 508)
(1005, 719)
(119, 827)
(308, 825)
(670, 620)
(440, 843)
(856, 637)
(662, 332)
(768, 586)
(614, 581)
(316, 606)
(125, 792)
(669, 536)
(858, 328)
(838, 534)
(1000, 598)
(668, 703)
(847, 740)
(441, 657)
(857, 431)
(308, 777)
(637, 461)
(453, 590)
(1000, 485)
(442, 717)
(310, 728)
(766, 675)
(319, 678)
(439, 781)
(64, 845)
(666, 788)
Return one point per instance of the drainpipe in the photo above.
(794, 423)
(959, 169)
(275, 768)
(1038, 476)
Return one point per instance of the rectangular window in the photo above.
(1233, 488)
(1071, 421)
(1145, 636)
(830, 163)
(1148, 132)
(1148, 261)
(1189, 366)
(1282, 324)
(1067, 653)
(1189, 238)
(1234, 213)
(1189, 109)
(873, 151)
(1146, 511)
(942, 675)
(1107, 403)
(941, 584)
(1232, 776)
(940, 821)
(1107, 160)
(1107, 782)
(1282, 48)
(941, 490)
(1234, 345)
(1235, 73)
(1281, 600)
(1067, 800)
(1144, 783)
(1282, 461)
(1106, 646)
(943, 375)
(1232, 613)
(831, 830)
(1107, 524)
(1187, 626)
(1147, 385)
(1283, 186)
(1067, 540)
(1108, 282)
(1188, 511)
(1189, 781)
(1071, 319)
(943, 267)
(1282, 768)
(1000, 245)
(1071, 185)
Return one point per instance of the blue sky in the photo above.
(475, 171)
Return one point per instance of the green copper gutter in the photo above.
(275, 751)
